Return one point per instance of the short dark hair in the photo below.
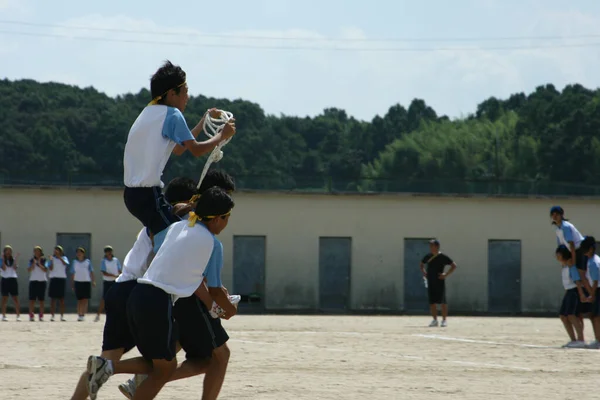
(217, 178)
(564, 252)
(180, 190)
(214, 202)
(588, 243)
(435, 242)
(167, 77)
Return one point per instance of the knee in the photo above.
(164, 371)
(222, 354)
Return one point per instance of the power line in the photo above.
(314, 39)
(301, 48)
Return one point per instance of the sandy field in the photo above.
(323, 357)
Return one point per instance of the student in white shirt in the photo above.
(37, 282)
(111, 269)
(569, 309)
(158, 131)
(82, 281)
(176, 272)
(9, 285)
(593, 275)
(58, 265)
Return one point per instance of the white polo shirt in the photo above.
(38, 274)
(112, 266)
(178, 267)
(82, 270)
(566, 232)
(59, 267)
(150, 142)
(136, 260)
(11, 270)
(570, 275)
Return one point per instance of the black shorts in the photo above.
(150, 316)
(9, 287)
(149, 206)
(596, 304)
(105, 286)
(580, 260)
(116, 333)
(584, 308)
(56, 290)
(436, 291)
(83, 290)
(37, 290)
(570, 303)
(199, 333)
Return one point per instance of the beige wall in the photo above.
(293, 224)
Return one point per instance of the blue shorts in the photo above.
(149, 206)
(150, 316)
(570, 303)
(116, 333)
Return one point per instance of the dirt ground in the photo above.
(322, 357)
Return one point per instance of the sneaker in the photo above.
(41, 319)
(578, 344)
(79, 318)
(63, 319)
(433, 323)
(97, 318)
(4, 319)
(31, 319)
(18, 319)
(128, 389)
(52, 319)
(594, 345)
(100, 369)
(444, 324)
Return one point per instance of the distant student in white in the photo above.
(82, 282)
(58, 265)
(593, 275)
(571, 303)
(9, 285)
(111, 269)
(158, 131)
(38, 279)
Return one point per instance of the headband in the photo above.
(194, 217)
(157, 98)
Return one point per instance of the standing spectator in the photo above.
(37, 282)
(111, 269)
(436, 280)
(9, 286)
(83, 280)
(58, 265)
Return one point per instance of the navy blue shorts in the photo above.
(199, 333)
(436, 291)
(57, 288)
(596, 304)
(570, 303)
(105, 286)
(116, 333)
(149, 206)
(150, 316)
(37, 290)
(584, 308)
(83, 290)
(9, 287)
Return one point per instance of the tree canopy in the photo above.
(545, 142)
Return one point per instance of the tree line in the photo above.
(53, 132)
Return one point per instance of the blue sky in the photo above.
(364, 80)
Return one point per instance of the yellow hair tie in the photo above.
(192, 219)
(157, 98)
(194, 198)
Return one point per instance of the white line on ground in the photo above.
(453, 339)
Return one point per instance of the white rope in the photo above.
(213, 126)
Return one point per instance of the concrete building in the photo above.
(332, 252)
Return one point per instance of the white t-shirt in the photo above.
(593, 269)
(136, 261)
(150, 142)
(11, 271)
(82, 270)
(566, 233)
(112, 267)
(59, 267)
(569, 276)
(179, 265)
(37, 273)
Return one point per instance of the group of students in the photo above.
(580, 274)
(169, 295)
(52, 272)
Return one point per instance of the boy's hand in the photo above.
(442, 276)
(228, 130)
(229, 315)
(214, 113)
(583, 298)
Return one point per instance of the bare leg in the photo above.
(161, 372)
(444, 311)
(4, 303)
(568, 327)
(596, 325)
(578, 326)
(101, 307)
(31, 308)
(215, 375)
(433, 310)
(17, 305)
(84, 307)
(190, 368)
(81, 391)
(52, 306)
(62, 307)
(41, 308)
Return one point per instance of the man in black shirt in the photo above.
(436, 280)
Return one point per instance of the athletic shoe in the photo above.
(79, 318)
(4, 319)
(41, 319)
(100, 369)
(63, 319)
(433, 323)
(31, 318)
(18, 319)
(444, 323)
(128, 388)
(97, 318)
(594, 345)
(578, 344)
(52, 319)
